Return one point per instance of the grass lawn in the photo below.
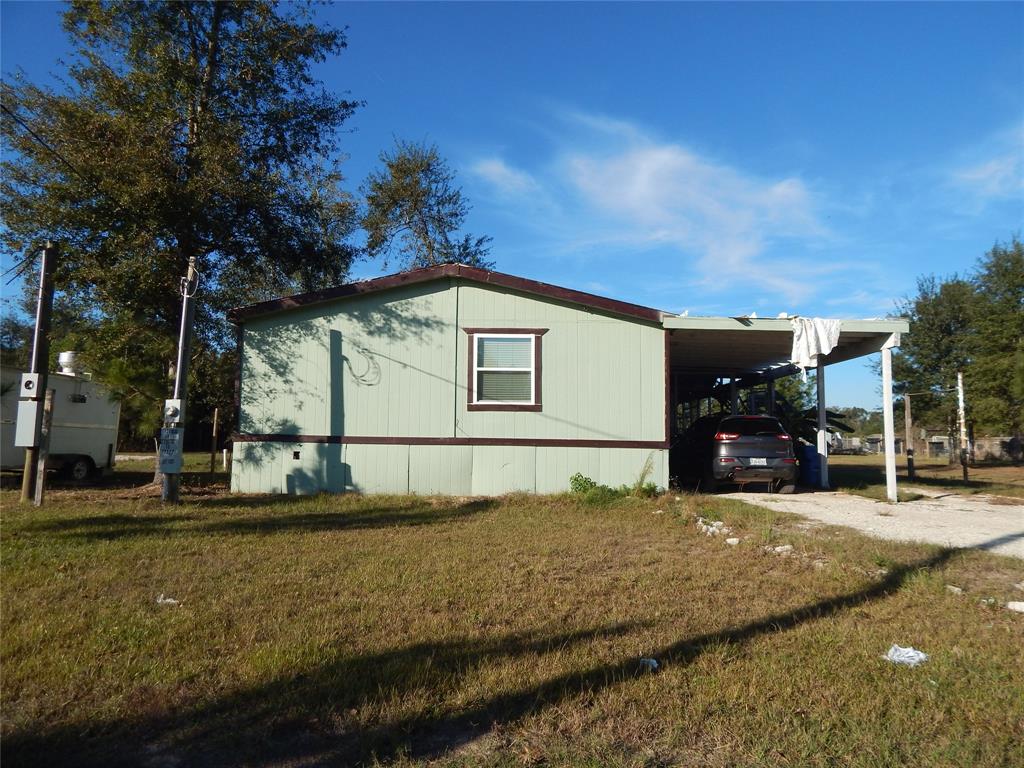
(344, 630)
(865, 476)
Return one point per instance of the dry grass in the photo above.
(348, 630)
(865, 475)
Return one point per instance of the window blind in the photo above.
(503, 353)
(504, 386)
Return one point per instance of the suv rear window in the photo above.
(748, 427)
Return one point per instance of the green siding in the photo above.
(603, 377)
(394, 364)
(362, 366)
(434, 469)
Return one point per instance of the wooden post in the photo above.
(213, 442)
(44, 449)
(908, 439)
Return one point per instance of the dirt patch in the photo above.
(983, 522)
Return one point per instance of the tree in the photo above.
(414, 208)
(938, 345)
(996, 373)
(974, 325)
(186, 129)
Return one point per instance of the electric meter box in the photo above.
(30, 418)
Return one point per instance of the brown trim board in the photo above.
(498, 441)
(426, 274)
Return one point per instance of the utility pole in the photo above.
(961, 413)
(173, 433)
(908, 436)
(33, 384)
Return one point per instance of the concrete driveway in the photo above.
(985, 522)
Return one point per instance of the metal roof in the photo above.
(759, 348)
(736, 347)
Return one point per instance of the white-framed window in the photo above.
(504, 369)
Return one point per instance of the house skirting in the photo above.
(457, 466)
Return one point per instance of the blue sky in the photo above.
(719, 159)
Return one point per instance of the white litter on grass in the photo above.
(910, 657)
(650, 664)
(1015, 606)
(954, 590)
(733, 541)
(161, 600)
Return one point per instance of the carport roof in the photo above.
(759, 348)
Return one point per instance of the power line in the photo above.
(48, 148)
(23, 265)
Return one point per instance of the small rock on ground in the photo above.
(733, 541)
(1016, 606)
(954, 590)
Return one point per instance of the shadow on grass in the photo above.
(302, 719)
(376, 517)
(278, 721)
(111, 527)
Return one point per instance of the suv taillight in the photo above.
(727, 436)
(783, 436)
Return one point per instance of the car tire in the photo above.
(80, 469)
(788, 488)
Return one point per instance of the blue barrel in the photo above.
(810, 466)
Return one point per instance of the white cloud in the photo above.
(664, 193)
(507, 180)
(612, 189)
(994, 171)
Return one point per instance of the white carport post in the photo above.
(822, 424)
(887, 419)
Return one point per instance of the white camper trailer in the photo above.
(83, 437)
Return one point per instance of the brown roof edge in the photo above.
(426, 274)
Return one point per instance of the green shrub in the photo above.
(580, 483)
(600, 495)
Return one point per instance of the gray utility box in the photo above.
(30, 417)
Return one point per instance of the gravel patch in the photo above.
(949, 520)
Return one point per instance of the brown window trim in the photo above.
(537, 334)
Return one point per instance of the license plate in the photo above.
(759, 462)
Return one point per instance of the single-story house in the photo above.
(457, 380)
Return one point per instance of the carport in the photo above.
(706, 353)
